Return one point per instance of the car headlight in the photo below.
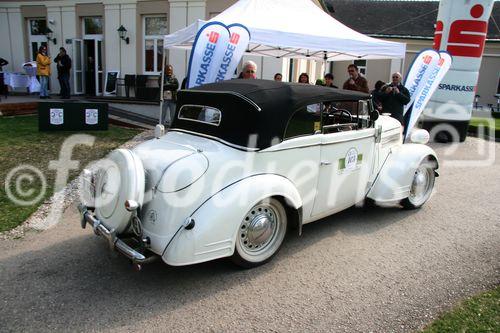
(419, 136)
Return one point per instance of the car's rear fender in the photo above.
(396, 175)
(217, 220)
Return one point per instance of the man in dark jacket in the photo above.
(394, 97)
(63, 62)
(356, 81)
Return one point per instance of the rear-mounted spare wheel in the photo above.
(120, 178)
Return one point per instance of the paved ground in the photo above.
(150, 111)
(382, 270)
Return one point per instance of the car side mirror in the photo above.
(374, 115)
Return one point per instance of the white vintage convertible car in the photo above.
(243, 162)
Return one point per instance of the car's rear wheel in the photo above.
(421, 186)
(260, 234)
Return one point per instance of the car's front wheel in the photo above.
(422, 185)
(260, 234)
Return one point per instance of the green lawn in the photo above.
(22, 143)
(480, 313)
(475, 122)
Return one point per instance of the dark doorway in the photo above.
(89, 56)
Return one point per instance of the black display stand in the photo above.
(72, 116)
(111, 78)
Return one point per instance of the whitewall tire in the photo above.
(260, 233)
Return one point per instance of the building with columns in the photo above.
(88, 29)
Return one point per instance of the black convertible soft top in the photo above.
(254, 107)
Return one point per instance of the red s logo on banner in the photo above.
(214, 36)
(463, 43)
(438, 35)
(466, 37)
(234, 38)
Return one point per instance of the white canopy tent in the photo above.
(294, 29)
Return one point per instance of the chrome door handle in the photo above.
(325, 163)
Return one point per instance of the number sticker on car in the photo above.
(351, 160)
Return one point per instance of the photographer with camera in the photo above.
(394, 97)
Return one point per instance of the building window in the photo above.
(92, 25)
(154, 27)
(37, 38)
(361, 66)
(37, 27)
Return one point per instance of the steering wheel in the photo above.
(337, 115)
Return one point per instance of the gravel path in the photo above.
(380, 270)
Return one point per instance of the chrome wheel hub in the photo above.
(258, 228)
(421, 185)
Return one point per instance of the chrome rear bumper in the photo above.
(114, 242)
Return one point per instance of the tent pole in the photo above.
(161, 85)
(324, 63)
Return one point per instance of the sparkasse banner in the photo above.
(238, 42)
(432, 80)
(217, 50)
(208, 48)
(419, 73)
(461, 30)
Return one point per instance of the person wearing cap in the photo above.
(394, 96)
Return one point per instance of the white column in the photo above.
(178, 19)
(68, 24)
(195, 11)
(68, 27)
(301, 68)
(285, 69)
(112, 43)
(182, 14)
(54, 15)
(15, 22)
(128, 52)
(6, 51)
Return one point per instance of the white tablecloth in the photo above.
(19, 80)
(16, 80)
